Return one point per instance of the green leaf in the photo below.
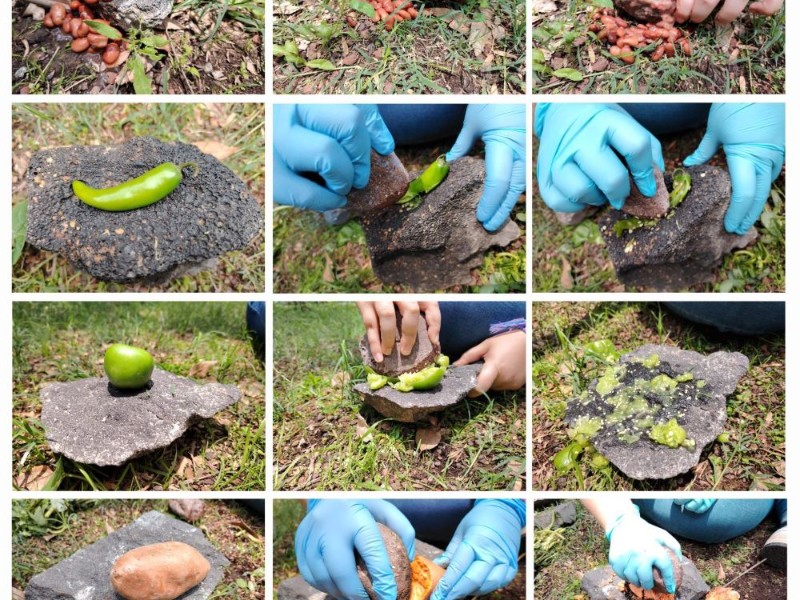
(571, 74)
(603, 3)
(141, 82)
(19, 228)
(194, 72)
(602, 349)
(323, 64)
(538, 56)
(103, 29)
(155, 41)
(365, 8)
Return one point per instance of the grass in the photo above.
(325, 438)
(752, 459)
(232, 132)
(472, 48)
(575, 259)
(65, 342)
(754, 64)
(576, 549)
(234, 531)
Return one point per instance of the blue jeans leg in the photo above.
(466, 324)
(412, 124)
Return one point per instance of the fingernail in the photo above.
(378, 357)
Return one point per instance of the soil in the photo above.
(230, 62)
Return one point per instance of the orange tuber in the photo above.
(425, 575)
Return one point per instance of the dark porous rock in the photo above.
(92, 422)
(206, 216)
(557, 516)
(388, 182)
(647, 10)
(398, 559)
(701, 411)
(141, 13)
(85, 574)
(423, 353)
(436, 245)
(409, 407)
(188, 509)
(677, 573)
(640, 205)
(295, 588)
(603, 584)
(685, 247)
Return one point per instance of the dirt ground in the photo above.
(201, 56)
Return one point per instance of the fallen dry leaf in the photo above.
(428, 438)
(34, 480)
(217, 149)
(201, 369)
(362, 429)
(341, 379)
(566, 274)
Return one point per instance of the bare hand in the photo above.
(698, 10)
(381, 323)
(504, 362)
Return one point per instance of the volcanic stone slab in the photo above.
(92, 422)
(85, 574)
(409, 407)
(560, 515)
(683, 248)
(423, 353)
(703, 418)
(142, 13)
(647, 10)
(206, 216)
(388, 182)
(639, 205)
(436, 245)
(603, 584)
(295, 588)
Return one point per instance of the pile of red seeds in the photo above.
(390, 12)
(71, 21)
(623, 36)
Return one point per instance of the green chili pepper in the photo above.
(681, 184)
(142, 191)
(424, 379)
(425, 183)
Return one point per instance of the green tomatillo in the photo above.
(128, 367)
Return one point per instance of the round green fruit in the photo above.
(128, 367)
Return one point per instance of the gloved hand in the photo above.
(754, 139)
(329, 140)
(577, 165)
(482, 556)
(696, 505)
(329, 533)
(502, 129)
(637, 547)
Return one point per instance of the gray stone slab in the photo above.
(85, 574)
(139, 13)
(683, 248)
(556, 516)
(701, 412)
(206, 216)
(92, 422)
(409, 407)
(603, 584)
(436, 245)
(295, 588)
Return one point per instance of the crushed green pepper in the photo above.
(670, 434)
(652, 361)
(681, 184)
(425, 183)
(376, 381)
(425, 379)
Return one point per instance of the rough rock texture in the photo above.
(91, 422)
(85, 574)
(409, 407)
(647, 10)
(137, 13)
(677, 571)
(683, 248)
(388, 181)
(703, 419)
(640, 205)
(573, 218)
(188, 509)
(203, 218)
(423, 353)
(560, 515)
(436, 245)
(296, 588)
(603, 584)
(398, 558)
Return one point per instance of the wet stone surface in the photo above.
(685, 247)
(85, 574)
(206, 216)
(700, 411)
(90, 421)
(409, 407)
(436, 245)
(603, 584)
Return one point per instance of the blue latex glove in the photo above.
(482, 556)
(502, 129)
(579, 155)
(696, 505)
(754, 139)
(333, 529)
(637, 547)
(329, 140)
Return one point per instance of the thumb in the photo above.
(379, 135)
(486, 378)
(463, 144)
(445, 557)
(707, 148)
(473, 354)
